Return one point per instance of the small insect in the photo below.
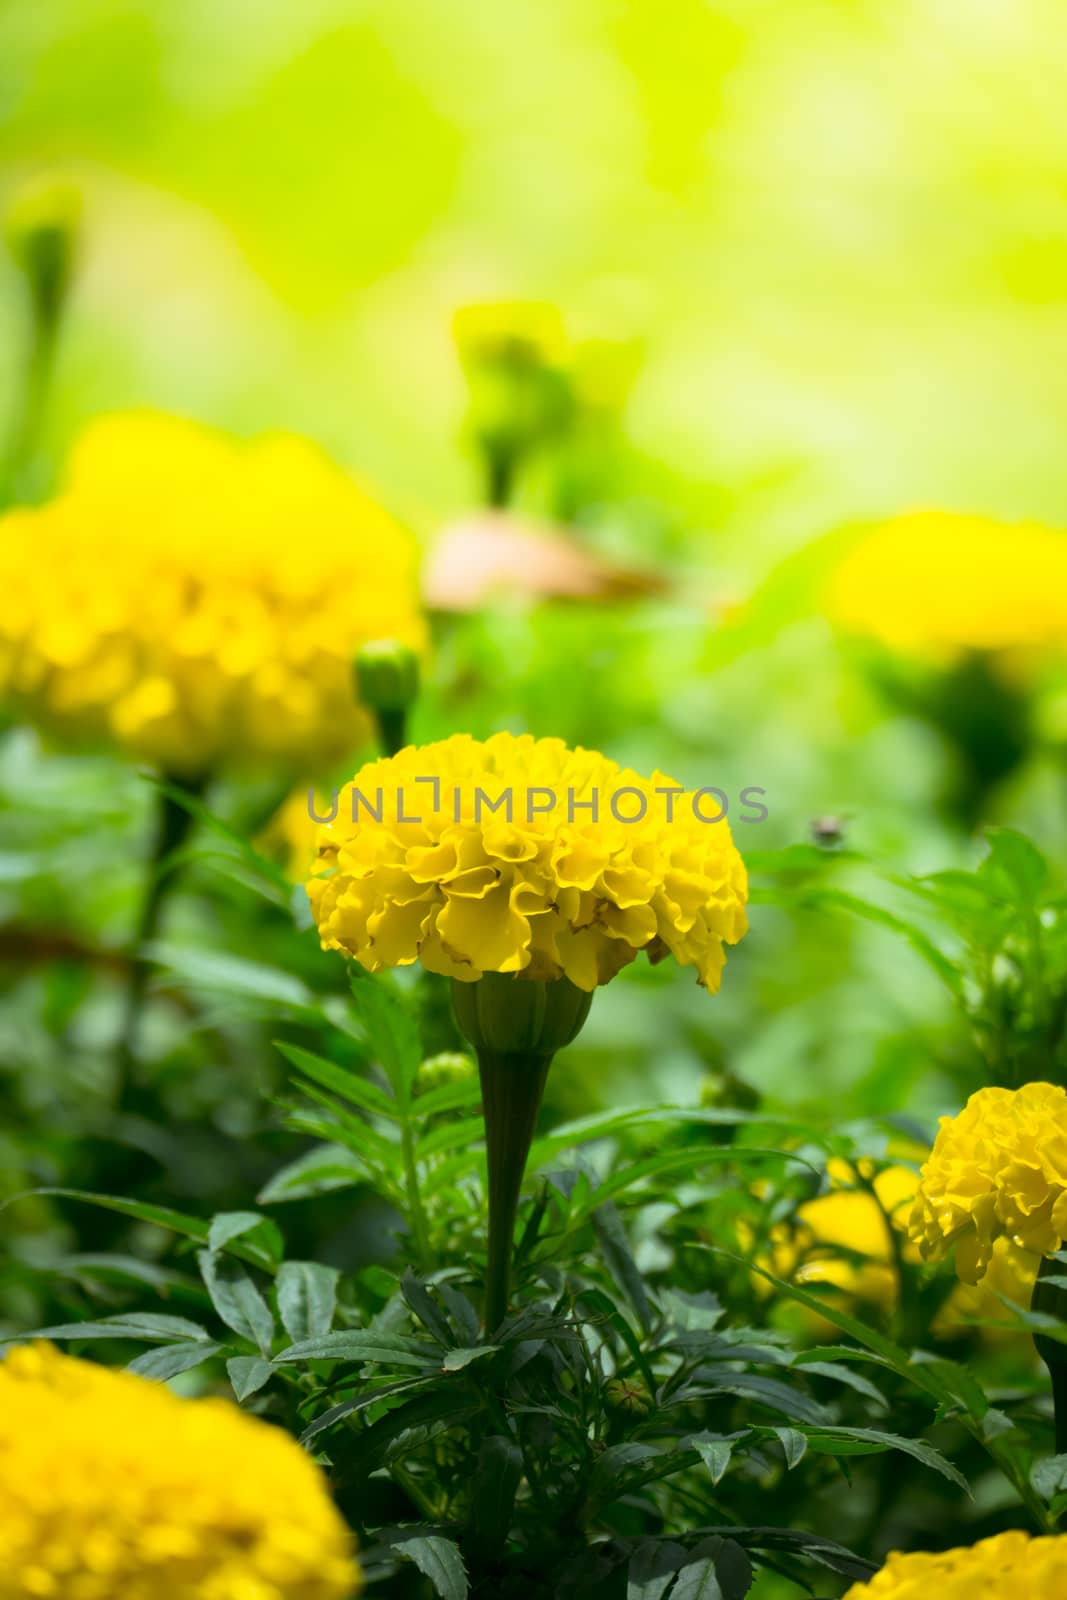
(828, 831)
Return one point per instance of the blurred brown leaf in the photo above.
(489, 553)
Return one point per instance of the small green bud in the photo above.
(387, 675)
(42, 226)
(629, 1395)
(505, 1015)
(451, 1066)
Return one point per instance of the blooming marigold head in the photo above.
(519, 855)
(111, 1485)
(1007, 1565)
(936, 585)
(198, 600)
(997, 1170)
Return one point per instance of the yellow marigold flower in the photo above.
(998, 1169)
(1011, 1273)
(1007, 1566)
(554, 881)
(198, 600)
(849, 1222)
(113, 1486)
(938, 584)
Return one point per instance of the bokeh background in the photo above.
(835, 235)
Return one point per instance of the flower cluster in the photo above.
(111, 1485)
(1009, 1564)
(197, 600)
(997, 1170)
(420, 866)
(937, 585)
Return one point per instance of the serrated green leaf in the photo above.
(228, 1225)
(318, 1171)
(717, 1569)
(236, 1299)
(794, 1445)
(361, 1344)
(360, 1402)
(169, 1360)
(307, 1298)
(161, 1216)
(391, 1030)
(456, 1360)
(1049, 1477)
(714, 1452)
(436, 1557)
(652, 1567)
(496, 1481)
(861, 1441)
(426, 1309)
(146, 1328)
(341, 1080)
(248, 1374)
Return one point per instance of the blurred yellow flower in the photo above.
(198, 600)
(998, 1169)
(850, 1222)
(113, 1486)
(514, 856)
(1010, 1566)
(938, 584)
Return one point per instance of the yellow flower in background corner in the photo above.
(515, 856)
(111, 1485)
(850, 1222)
(937, 585)
(197, 600)
(997, 1170)
(1010, 1566)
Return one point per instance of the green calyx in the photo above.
(386, 679)
(505, 1015)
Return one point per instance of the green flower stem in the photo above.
(392, 730)
(500, 467)
(30, 412)
(516, 1025)
(1050, 1298)
(172, 828)
(513, 1085)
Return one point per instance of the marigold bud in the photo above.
(387, 675)
(42, 228)
(629, 1395)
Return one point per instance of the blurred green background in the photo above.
(838, 233)
(839, 228)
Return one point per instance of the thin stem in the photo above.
(172, 827)
(26, 427)
(512, 1089)
(500, 464)
(392, 730)
(1050, 1298)
(419, 1227)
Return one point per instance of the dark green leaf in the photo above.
(652, 1568)
(436, 1557)
(493, 1490)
